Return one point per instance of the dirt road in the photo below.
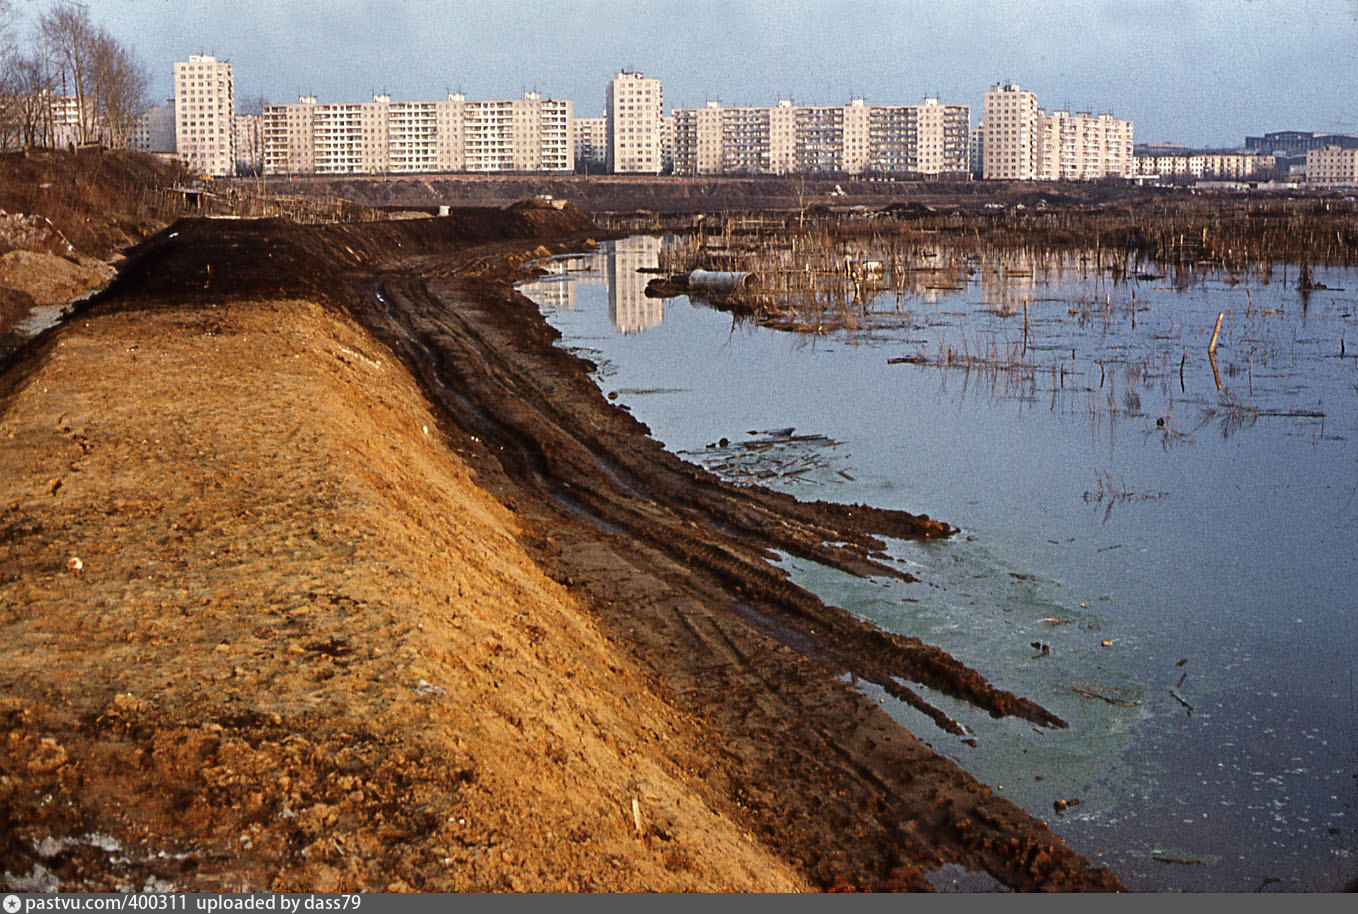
(323, 568)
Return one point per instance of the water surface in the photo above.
(1179, 542)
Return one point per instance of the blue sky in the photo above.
(1202, 72)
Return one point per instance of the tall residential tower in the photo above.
(205, 103)
(1025, 143)
(633, 105)
(1010, 151)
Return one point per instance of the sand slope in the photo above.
(263, 630)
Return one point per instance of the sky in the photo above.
(1197, 72)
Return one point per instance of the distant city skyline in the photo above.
(1197, 72)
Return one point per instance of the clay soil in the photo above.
(322, 568)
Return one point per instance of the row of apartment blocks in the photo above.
(1018, 141)
(857, 138)
(524, 134)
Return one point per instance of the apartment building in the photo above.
(1332, 165)
(1010, 116)
(527, 134)
(205, 103)
(633, 106)
(976, 151)
(667, 143)
(1212, 165)
(926, 139)
(589, 136)
(154, 130)
(856, 138)
(1083, 147)
(698, 140)
(523, 134)
(1025, 143)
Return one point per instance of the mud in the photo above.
(673, 564)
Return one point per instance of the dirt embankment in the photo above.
(101, 201)
(64, 217)
(323, 568)
(264, 630)
(669, 194)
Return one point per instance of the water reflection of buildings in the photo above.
(628, 307)
(616, 268)
(1010, 278)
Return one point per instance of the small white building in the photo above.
(1332, 165)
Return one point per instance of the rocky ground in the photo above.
(320, 568)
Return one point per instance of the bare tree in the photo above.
(28, 114)
(68, 39)
(120, 83)
(9, 94)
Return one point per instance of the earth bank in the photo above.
(322, 568)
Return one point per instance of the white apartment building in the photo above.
(205, 104)
(54, 121)
(1332, 165)
(590, 139)
(1025, 143)
(632, 108)
(1225, 166)
(1083, 147)
(70, 121)
(528, 134)
(856, 138)
(1010, 117)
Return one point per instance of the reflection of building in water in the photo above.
(629, 310)
(1008, 279)
(553, 292)
(929, 273)
(628, 307)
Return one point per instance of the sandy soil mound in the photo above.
(49, 279)
(262, 630)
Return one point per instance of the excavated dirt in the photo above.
(49, 279)
(323, 568)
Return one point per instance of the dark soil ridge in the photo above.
(674, 561)
(702, 194)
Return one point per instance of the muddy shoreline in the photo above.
(672, 563)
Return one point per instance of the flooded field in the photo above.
(1157, 544)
